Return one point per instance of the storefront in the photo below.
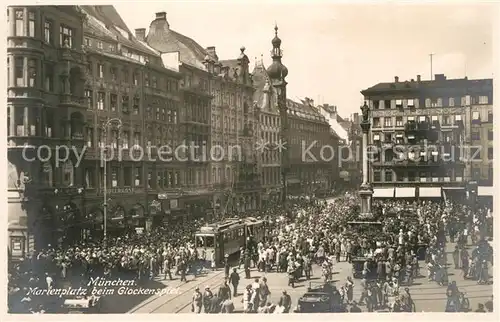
(137, 218)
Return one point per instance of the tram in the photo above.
(228, 236)
(221, 238)
(255, 228)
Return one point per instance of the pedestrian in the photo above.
(234, 279)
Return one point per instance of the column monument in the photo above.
(366, 189)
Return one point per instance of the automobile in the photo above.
(320, 298)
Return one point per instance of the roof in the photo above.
(430, 84)
(260, 78)
(304, 111)
(105, 22)
(166, 40)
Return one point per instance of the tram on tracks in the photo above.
(228, 236)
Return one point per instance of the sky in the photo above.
(332, 50)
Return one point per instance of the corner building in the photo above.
(46, 107)
(422, 135)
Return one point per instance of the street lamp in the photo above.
(119, 124)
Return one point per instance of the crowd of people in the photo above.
(385, 253)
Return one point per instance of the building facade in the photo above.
(46, 107)
(234, 119)
(422, 135)
(311, 150)
(133, 109)
(266, 145)
(196, 196)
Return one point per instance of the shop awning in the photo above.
(383, 192)
(485, 191)
(429, 192)
(405, 192)
(293, 181)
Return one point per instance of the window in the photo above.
(388, 176)
(125, 139)
(125, 103)
(90, 136)
(68, 173)
(136, 105)
(137, 139)
(483, 99)
(87, 42)
(490, 153)
(377, 176)
(113, 102)
(475, 153)
(422, 118)
(376, 104)
(451, 101)
(150, 179)
(154, 82)
(114, 142)
(113, 71)
(127, 176)
(146, 79)
(428, 102)
(475, 135)
(376, 137)
(47, 32)
(19, 71)
(100, 100)
(423, 176)
(88, 96)
(476, 116)
(114, 177)
(490, 135)
(66, 37)
(458, 117)
(388, 121)
(31, 23)
(174, 117)
(19, 16)
(49, 77)
(89, 178)
(399, 121)
(100, 138)
(32, 71)
(99, 44)
(399, 103)
(446, 120)
(490, 117)
(411, 102)
(100, 70)
(376, 122)
(476, 173)
(387, 104)
(135, 79)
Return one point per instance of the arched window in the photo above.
(68, 173)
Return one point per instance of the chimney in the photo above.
(412, 80)
(140, 34)
(418, 78)
(439, 77)
(211, 51)
(396, 79)
(161, 15)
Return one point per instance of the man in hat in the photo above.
(207, 299)
(197, 301)
(226, 266)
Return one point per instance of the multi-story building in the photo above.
(46, 108)
(128, 85)
(480, 132)
(311, 150)
(421, 132)
(234, 173)
(270, 127)
(194, 116)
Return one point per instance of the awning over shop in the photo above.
(405, 192)
(383, 192)
(429, 192)
(485, 191)
(293, 181)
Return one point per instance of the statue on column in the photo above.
(365, 110)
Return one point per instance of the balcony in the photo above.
(73, 101)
